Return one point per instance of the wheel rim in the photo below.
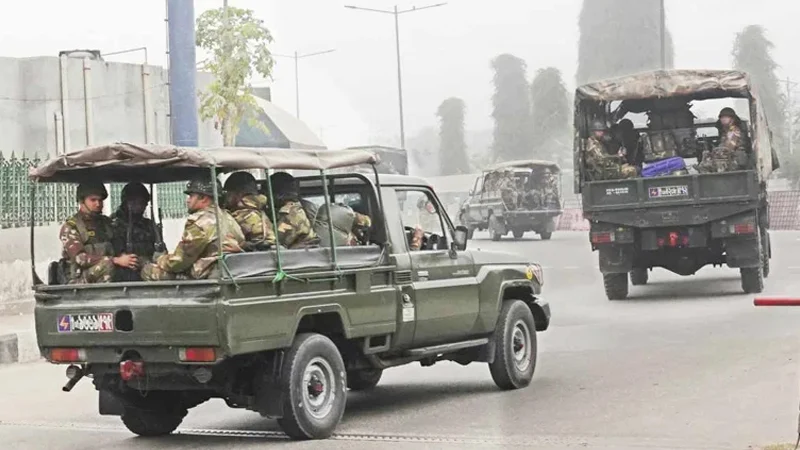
(521, 345)
(319, 388)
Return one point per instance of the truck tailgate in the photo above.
(697, 189)
(137, 315)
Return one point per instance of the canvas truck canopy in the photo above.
(124, 162)
(525, 164)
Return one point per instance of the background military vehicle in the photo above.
(286, 332)
(680, 220)
(527, 202)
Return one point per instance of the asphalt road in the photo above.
(684, 363)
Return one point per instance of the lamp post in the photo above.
(297, 57)
(396, 13)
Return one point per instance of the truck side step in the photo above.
(447, 348)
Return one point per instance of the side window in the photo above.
(422, 221)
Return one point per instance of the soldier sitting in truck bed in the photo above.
(732, 144)
(601, 165)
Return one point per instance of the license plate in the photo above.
(669, 191)
(86, 323)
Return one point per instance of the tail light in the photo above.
(743, 228)
(129, 370)
(67, 355)
(774, 301)
(602, 237)
(673, 238)
(198, 354)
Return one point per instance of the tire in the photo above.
(493, 231)
(546, 235)
(639, 277)
(147, 423)
(518, 234)
(363, 380)
(515, 346)
(752, 279)
(616, 285)
(306, 414)
(766, 251)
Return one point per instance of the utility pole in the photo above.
(297, 57)
(663, 31)
(396, 13)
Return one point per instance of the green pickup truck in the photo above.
(284, 332)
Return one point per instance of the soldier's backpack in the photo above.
(342, 218)
(658, 145)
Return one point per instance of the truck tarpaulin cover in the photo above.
(698, 84)
(122, 162)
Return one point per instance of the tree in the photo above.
(550, 115)
(237, 44)
(620, 37)
(453, 158)
(512, 111)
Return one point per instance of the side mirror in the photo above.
(460, 238)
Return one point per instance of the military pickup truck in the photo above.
(672, 215)
(515, 197)
(283, 332)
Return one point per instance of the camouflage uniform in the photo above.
(550, 190)
(361, 227)
(86, 242)
(294, 228)
(723, 158)
(602, 166)
(254, 222)
(195, 257)
(507, 188)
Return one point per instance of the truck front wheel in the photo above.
(362, 380)
(639, 277)
(546, 235)
(616, 285)
(147, 423)
(314, 386)
(515, 346)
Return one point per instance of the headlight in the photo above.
(535, 271)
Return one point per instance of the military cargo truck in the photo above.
(682, 220)
(282, 332)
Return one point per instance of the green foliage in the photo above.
(237, 44)
(512, 110)
(620, 37)
(551, 116)
(452, 146)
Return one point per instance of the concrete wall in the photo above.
(30, 96)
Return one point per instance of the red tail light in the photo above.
(602, 237)
(744, 228)
(198, 354)
(673, 238)
(128, 370)
(67, 355)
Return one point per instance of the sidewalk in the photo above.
(18, 339)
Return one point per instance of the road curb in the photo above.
(18, 347)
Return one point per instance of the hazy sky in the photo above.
(350, 96)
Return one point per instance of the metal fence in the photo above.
(55, 202)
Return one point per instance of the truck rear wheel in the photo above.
(147, 423)
(752, 279)
(546, 235)
(362, 380)
(314, 388)
(515, 346)
(639, 277)
(518, 233)
(616, 285)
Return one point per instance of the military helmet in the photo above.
(282, 183)
(728, 111)
(241, 182)
(597, 125)
(626, 124)
(91, 188)
(202, 185)
(135, 190)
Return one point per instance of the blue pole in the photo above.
(182, 72)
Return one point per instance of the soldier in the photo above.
(132, 232)
(731, 145)
(629, 139)
(599, 164)
(86, 240)
(551, 194)
(295, 230)
(195, 257)
(508, 189)
(248, 207)
(361, 225)
(428, 221)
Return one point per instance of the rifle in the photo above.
(158, 231)
(125, 274)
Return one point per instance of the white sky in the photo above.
(350, 96)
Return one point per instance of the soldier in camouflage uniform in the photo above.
(195, 257)
(508, 189)
(599, 164)
(550, 189)
(129, 221)
(731, 146)
(248, 207)
(86, 239)
(295, 229)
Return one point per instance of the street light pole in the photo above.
(297, 57)
(663, 30)
(396, 13)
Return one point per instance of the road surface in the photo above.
(684, 363)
